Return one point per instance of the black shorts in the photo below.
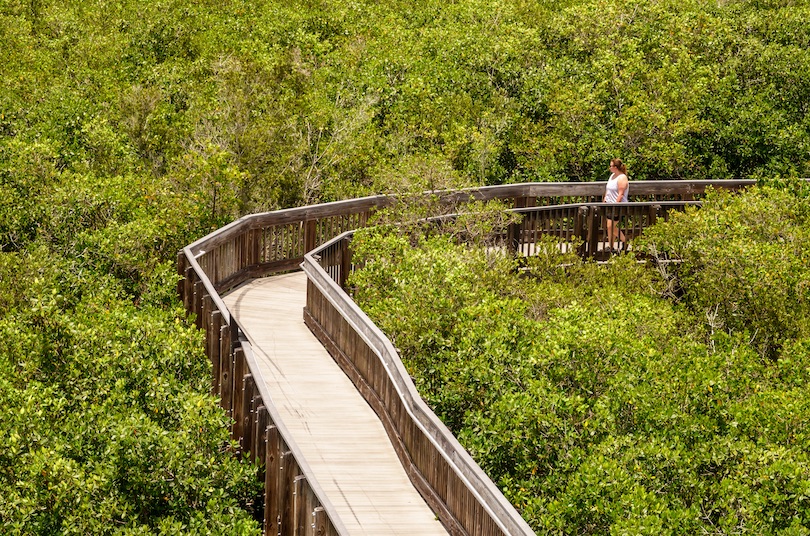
(614, 217)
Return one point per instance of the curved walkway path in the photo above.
(340, 436)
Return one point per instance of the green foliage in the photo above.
(129, 129)
(742, 259)
(596, 401)
(107, 422)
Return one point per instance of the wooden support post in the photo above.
(215, 353)
(238, 395)
(247, 414)
(250, 435)
(206, 310)
(303, 507)
(226, 370)
(345, 262)
(652, 215)
(272, 475)
(323, 527)
(581, 230)
(593, 231)
(199, 289)
(260, 435)
(188, 289)
(310, 235)
(181, 271)
(289, 470)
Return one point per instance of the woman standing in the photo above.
(616, 191)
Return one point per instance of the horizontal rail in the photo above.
(273, 242)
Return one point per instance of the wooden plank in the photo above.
(271, 481)
(289, 472)
(226, 370)
(304, 504)
(260, 433)
(246, 441)
(321, 523)
(239, 396)
(215, 347)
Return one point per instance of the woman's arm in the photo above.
(621, 188)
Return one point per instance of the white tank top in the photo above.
(612, 189)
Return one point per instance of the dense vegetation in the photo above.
(129, 129)
(621, 399)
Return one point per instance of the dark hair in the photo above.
(619, 165)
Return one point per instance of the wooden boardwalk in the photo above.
(340, 436)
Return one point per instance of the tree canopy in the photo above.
(129, 129)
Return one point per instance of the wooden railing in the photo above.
(454, 486)
(262, 244)
(583, 225)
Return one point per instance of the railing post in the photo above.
(197, 300)
(593, 231)
(226, 370)
(239, 393)
(653, 214)
(513, 237)
(320, 521)
(310, 232)
(580, 231)
(260, 438)
(289, 470)
(345, 262)
(215, 353)
(272, 476)
(246, 439)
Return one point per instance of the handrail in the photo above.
(382, 378)
(261, 244)
(294, 502)
(405, 397)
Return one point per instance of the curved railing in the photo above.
(262, 244)
(454, 486)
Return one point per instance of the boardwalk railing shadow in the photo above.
(263, 244)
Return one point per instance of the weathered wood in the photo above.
(321, 522)
(303, 507)
(362, 378)
(310, 234)
(239, 393)
(426, 452)
(289, 472)
(188, 288)
(272, 479)
(215, 352)
(335, 428)
(252, 441)
(199, 290)
(345, 262)
(593, 231)
(260, 433)
(226, 371)
(247, 415)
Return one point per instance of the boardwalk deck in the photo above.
(342, 439)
